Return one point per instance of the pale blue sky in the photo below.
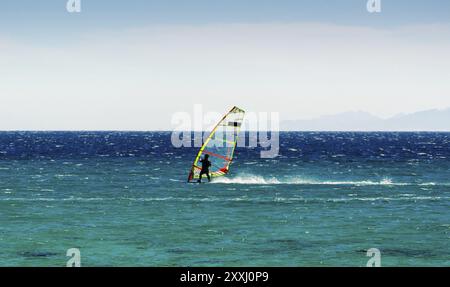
(48, 20)
(132, 64)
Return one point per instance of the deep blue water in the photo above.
(121, 198)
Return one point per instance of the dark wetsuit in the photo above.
(205, 169)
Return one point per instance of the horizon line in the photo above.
(206, 131)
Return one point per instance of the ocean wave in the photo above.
(259, 180)
(276, 199)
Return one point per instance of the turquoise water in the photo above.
(121, 198)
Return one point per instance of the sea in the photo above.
(121, 199)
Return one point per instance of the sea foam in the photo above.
(260, 180)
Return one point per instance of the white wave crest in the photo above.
(238, 199)
(251, 179)
(259, 180)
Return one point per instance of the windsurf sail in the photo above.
(219, 145)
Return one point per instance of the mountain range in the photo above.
(429, 120)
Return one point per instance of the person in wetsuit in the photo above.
(205, 168)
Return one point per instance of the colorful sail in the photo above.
(220, 145)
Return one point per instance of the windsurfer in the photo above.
(205, 168)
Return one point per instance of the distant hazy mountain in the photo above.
(431, 120)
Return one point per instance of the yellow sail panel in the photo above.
(220, 145)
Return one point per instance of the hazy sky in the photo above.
(129, 65)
